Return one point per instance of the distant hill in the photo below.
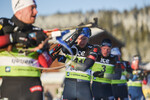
(131, 27)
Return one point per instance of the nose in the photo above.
(35, 11)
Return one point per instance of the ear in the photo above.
(18, 14)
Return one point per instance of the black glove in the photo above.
(36, 38)
(19, 37)
(40, 36)
(98, 74)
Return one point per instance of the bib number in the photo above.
(103, 68)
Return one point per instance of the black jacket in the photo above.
(13, 25)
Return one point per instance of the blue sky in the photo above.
(48, 7)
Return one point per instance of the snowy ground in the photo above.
(52, 77)
(52, 82)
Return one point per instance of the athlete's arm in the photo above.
(4, 40)
(16, 37)
(89, 61)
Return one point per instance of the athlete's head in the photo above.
(135, 62)
(83, 37)
(25, 10)
(116, 51)
(106, 47)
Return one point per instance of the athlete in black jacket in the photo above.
(102, 72)
(78, 74)
(21, 81)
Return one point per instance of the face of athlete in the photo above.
(135, 64)
(27, 14)
(105, 50)
(82, 41)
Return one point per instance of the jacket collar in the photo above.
(22, 26)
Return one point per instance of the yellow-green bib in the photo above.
(75, 74)
(108, 70)
(15, 64)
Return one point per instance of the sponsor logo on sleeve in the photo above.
(36, 88)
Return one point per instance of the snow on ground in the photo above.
(52, 77)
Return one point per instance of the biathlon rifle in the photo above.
(56, 37)
(70, 40)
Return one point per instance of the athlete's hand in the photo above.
(38, 48)
(98, 74)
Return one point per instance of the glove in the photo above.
(36, 38)
(98, 74)
(45, 59)
(40, 36)
(19, 37)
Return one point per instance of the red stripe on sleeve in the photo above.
(4, 40)
(92, 57)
